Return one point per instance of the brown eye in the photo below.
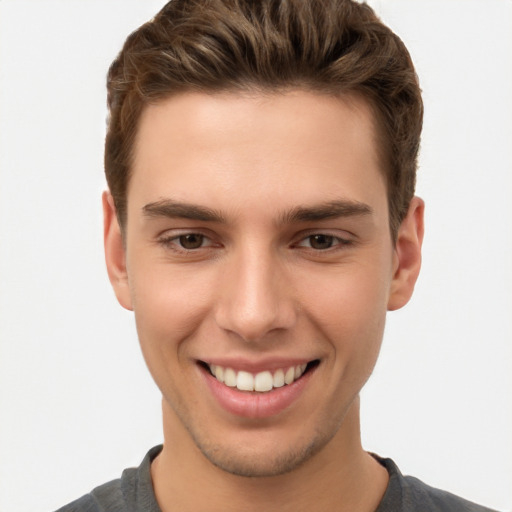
(191, 241)
(320, 241)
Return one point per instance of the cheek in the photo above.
(169, 304)
(350, 310)
(169, 307)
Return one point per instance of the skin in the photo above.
(259, 287)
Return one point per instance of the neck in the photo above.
(341, 477)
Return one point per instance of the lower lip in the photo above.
(249, 404)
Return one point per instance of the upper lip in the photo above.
(253, 366)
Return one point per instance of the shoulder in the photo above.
(409, 494)
(106, 497)
(133, 491)
(417, 492)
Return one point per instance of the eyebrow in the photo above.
(174, 209)
(328, 210)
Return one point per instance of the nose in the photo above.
(256, 298)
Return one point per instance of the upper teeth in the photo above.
(262, 381)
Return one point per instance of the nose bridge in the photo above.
(255, 298)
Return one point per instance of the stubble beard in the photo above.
(258, 465)
(239, 461)
(268, 461)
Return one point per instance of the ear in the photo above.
(407, 255)
(115, 253)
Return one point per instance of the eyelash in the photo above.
(172, 242)
(338, 242)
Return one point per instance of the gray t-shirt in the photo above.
(133, 492)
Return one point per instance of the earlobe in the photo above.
(407, 255)
(115, 254)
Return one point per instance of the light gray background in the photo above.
(76, 402)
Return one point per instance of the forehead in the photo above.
(237, 148)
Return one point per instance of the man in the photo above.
(260, 222)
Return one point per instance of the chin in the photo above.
(248, 460)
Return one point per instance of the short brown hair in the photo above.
(327, 46)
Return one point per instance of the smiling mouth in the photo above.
(260, 382)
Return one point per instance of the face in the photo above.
(259, 264)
